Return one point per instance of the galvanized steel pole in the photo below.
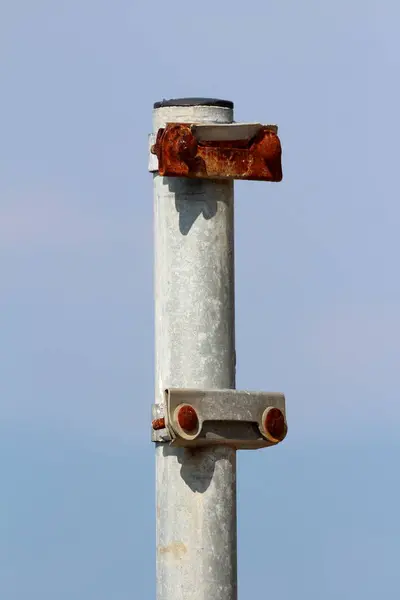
(195, 348)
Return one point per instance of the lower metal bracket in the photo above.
(217, 151)
(241, 419)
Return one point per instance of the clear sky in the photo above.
(317, 276)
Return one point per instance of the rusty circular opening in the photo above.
(187, 418)
(275, 424)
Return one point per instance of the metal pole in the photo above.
(195, 348)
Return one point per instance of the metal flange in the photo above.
(217, 151)
(241, 419)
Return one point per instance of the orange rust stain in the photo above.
(158, 424)
(176, 549)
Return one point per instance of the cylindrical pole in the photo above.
(195, 348)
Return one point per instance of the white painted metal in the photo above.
(195, 348)
(228, 133)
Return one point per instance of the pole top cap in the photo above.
(194, 102)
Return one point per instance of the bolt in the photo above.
(275, 424)
(187, 418)
(158, 424)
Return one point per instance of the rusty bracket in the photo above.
(217, 151)
(241, 419)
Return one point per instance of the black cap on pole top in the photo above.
(194, 102)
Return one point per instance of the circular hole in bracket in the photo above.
(186, 417)
(274, 426)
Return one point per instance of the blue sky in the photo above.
(316, 274)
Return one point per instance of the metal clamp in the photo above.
(217, 151)
(243, 420)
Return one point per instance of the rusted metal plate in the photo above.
(237, 151)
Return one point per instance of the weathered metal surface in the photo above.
(240, 419)
(152, 165)
(158, 433)
(193, 151)
(195, 347)
(190, 103)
